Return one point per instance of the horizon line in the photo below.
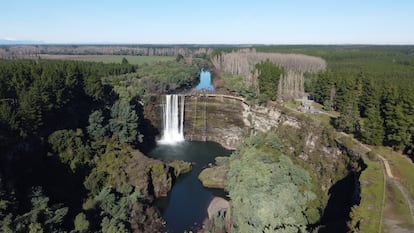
(37, 43)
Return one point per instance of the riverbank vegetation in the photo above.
(158, 78)
(268, 192)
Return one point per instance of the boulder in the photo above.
(217, 205)
(214, 177)
(151, 176)
(180, 167)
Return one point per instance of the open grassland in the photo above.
(135, 60)
(402, 168)
(379, 62)
(372, 193)
(396, 211)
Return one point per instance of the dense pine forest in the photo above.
(66, 140)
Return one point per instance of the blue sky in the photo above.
(212, 21)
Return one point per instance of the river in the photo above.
(185, 208)
(205, 82)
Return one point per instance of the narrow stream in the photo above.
(185, 208)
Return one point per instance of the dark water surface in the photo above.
(185, 207)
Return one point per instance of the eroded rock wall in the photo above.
(220, 118)
(214, 119)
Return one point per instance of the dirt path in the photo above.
(387, 166)
(393, 180)
(390, 178)
(316, 111)
(406, 196)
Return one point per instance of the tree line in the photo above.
(243, 63)
(28, 51)
(378, 112)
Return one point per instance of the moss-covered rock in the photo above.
(214, 177)
(180, 167)
(221, 160)
(160, 178)
(150, 175)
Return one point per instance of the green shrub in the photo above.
(372, 156)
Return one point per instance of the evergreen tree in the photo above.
(93, 87)
(397, 133)
(407, 103)
(269, 75)
(124, 122)
(373, 128)
(347, 93)
(321, 90)
(29, 113)
(69, 146)
(8, 118)
(97, 128)
(348, 121)
(81, 223)
(115, 206)
(42, 217)
(370, 96)
(124, 61)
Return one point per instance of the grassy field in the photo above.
(293, 103)
(379, 62)
(372, 191)
(396, 208)
(136, 60)
(401, 167)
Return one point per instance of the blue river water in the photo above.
(205, 81)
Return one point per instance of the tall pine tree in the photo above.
(373, 128)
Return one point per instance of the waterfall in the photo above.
(173, 120)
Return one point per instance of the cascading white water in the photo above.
(173, 119)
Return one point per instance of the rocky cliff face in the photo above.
(214, 119)
(264, 119)
(152, 176)
(219, 118)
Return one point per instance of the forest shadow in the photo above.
(342, 198)
(411, 157)
(64, 186)
(145, 127)
(29, 167)
(409, 152)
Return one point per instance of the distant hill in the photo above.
(19, 42)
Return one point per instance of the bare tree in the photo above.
(291, 85)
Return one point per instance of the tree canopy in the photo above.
(269, 193)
